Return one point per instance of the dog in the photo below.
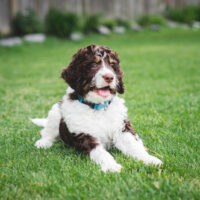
(91, 117)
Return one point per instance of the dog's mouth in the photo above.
(103, 92)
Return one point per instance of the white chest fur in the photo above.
(101, 124)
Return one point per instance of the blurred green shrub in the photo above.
(1, 34)
(123, 22)
(27, 23)
(185, 15)
(61, 24)
(198, 13)
(109, 23)
(151, 20)
(91, 23)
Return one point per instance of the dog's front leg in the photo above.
(104, 159)
(130, 146)
(50, 132)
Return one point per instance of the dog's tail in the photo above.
(39, 121)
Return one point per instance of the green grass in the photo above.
(162, 79)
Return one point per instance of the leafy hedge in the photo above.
(185, 15)
(91, 23)
(109, 23)
(27, 23)
(151, 20)
(123, 22)
(61, 24)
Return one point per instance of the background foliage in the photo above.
(27, 23)
(63, 24)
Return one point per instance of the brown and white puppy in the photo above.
(91, 117)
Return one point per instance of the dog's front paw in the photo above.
(151, 160)
(111, 166)
(43, 143)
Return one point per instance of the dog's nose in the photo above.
(108, 78)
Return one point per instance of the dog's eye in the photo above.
(112, 64)
(93, 65)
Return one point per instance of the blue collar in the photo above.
(95, 106)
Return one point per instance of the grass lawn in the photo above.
(162, 79)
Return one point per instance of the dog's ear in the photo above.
(69, 75)
(120, 85)
(72, 74)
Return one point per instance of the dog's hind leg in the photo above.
(127, 143)
(50, 132)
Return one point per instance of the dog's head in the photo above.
(95, 74)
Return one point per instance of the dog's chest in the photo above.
(101, 124)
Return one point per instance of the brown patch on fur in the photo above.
(111, 61)
(128, 128)
(73, 96)
(97, 59)
(83, 68)
(81, 142)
